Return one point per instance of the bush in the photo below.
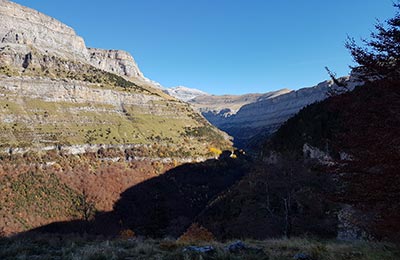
(196, 233)
(127, 234)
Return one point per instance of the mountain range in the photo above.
(256, 116)
(89, 145)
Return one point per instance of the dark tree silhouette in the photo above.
(340, 86)
(379, 58)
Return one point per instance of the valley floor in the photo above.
(73, 247)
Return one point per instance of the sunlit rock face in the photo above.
(24, 26)
(56, 91)
(25, 31)
(247, 116)
(115, 61)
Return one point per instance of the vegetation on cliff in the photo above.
(127, 112)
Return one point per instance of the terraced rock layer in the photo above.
(81, 125)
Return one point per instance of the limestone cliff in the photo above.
(24, 26)
(246, 116)
(115, 61)
(266, 115)
(217, 109)
(26, 32)
(81, 123)
(56, 91)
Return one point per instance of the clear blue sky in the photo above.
(225, 46)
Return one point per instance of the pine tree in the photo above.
(379, 58)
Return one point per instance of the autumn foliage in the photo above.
(38, 189)
(215, 151)
(196, 233)
(127, 234)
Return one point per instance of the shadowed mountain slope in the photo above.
(337, 163)
(165, 205)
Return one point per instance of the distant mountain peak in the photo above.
(184, 93)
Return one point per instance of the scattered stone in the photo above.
(199, 249)
(236, 246)
(301, 256)
(240, 246)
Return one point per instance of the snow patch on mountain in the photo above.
(184, 93)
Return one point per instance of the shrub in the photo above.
(127, 234)
(168, 245)
(196, 233)
(215, 151)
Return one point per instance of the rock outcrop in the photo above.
(26, 32)
(115, 61)
(24, 26)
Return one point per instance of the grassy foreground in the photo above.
(72, 247)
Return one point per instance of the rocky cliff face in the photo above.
(218, 108)
(74, 119)
(265, 116)
(244, 117)
(55, 91)
(25, 31)
(24, 26)
(115, 61)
